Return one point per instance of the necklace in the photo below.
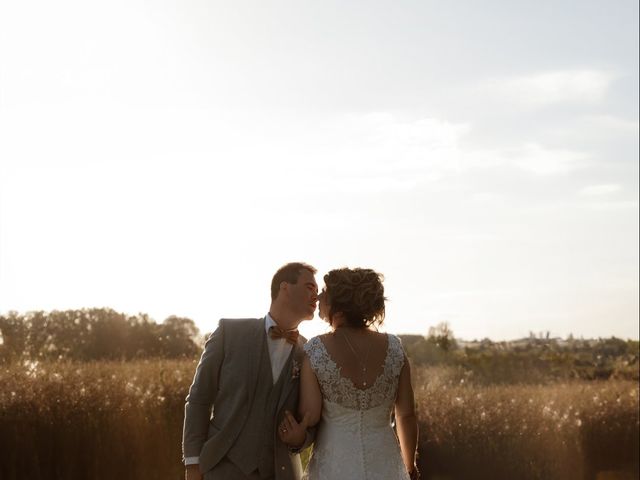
(363, 363)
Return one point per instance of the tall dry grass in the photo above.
(111, 420)
(103, 420)
(553, 431)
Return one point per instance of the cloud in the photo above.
(597, 190)
(383, 152)
(549, 88)
(612, 206)
(614, 123)
(372, 152)
(531, 157)
(390, 144)
(537, 159)
(389, 130)
(378, 151)
(487, 198)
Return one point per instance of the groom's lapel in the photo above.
(292, 378)
(255, 343)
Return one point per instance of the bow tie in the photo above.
(291, 336)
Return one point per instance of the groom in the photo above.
(246, 380)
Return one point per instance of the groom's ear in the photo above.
(283, 289)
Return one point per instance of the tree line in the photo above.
(534, 359)
(104, 334)
(94, 334)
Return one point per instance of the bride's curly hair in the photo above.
(358, 294)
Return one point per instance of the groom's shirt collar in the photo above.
(279, 349)
(268, 323)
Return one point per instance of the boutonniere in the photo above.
(295, 370)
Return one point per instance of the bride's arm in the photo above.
(299, 435)
(406, 423)
(310, 402)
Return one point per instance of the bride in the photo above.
(351, 380)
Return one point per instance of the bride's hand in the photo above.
(291, 432)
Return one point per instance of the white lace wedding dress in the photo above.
(354, 440)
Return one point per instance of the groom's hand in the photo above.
(193, 472)
(291, 432)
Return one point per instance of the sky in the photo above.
(167, 157)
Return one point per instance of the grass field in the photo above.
(111, 420)
(552, 431)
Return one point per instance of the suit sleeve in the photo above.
(202, 395)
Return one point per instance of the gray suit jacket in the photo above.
(222, 391)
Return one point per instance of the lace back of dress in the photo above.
(338, 389)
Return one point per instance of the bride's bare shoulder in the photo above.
(380, 337)
(326, 338)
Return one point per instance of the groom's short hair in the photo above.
(289, 273)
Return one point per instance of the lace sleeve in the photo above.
(321, 363)
(396, 355)
(311, 348)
